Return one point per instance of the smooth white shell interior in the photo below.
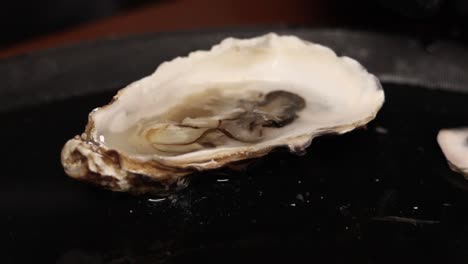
(454, 145)
(338, 90)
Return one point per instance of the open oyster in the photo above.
(237, 101)
(454, 145)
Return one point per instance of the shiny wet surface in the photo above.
(384, 194)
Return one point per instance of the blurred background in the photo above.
(29, 25)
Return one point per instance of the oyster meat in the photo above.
(237, 101)
(454, 145)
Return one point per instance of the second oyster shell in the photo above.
(454, 145)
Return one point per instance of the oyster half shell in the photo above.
(237, 101)
(454, 145)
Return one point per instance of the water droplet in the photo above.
(377, 180)
(300, 197)
(157, 200)
(173, 198)
(381, 130)
(415, 207)
(344, 207)
(293, 205)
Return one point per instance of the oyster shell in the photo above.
(237, 101)
(454, 145)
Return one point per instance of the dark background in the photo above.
(23, 20)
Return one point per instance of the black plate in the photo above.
(378, 195)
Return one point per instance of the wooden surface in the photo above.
(181, 15)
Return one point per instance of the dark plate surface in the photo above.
(378, 195)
